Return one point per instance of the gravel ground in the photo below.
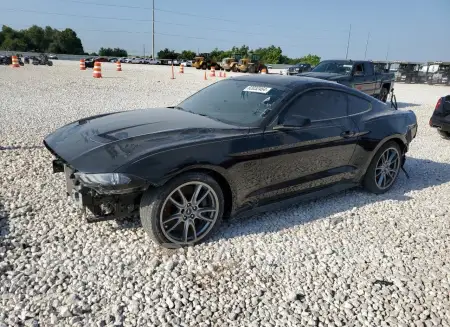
(352, 259)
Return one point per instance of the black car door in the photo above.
(311, 156)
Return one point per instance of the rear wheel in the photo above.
(184, 212)
(444, 135)
(384, 168)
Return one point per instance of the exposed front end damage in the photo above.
(103, 200)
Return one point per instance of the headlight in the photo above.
(111, 182)
(103, 179)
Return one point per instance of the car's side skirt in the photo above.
(294, 199)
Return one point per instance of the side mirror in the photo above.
(293, 122)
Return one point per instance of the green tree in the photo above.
(167, 54)
(38, 39)
(35, 36)
(116, 52)
(187, 54)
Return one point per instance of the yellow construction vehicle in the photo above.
(204, 61)
(251, 65)
(231, 63)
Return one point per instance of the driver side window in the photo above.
(317, 105)
(359, 69)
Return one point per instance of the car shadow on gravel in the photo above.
(422, 174)
(401, 105)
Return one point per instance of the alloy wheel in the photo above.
(387, 168)
(189, 213)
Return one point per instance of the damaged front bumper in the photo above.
(103, 201)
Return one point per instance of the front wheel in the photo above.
(183, 212)
(383, 169)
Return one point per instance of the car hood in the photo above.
(105, 142)
(327, 76)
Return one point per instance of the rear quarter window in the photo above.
(357, 105)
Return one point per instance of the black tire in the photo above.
(153, 200)
(384, 94)
(444, 135)
(369, 178)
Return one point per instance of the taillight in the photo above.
(438, 104)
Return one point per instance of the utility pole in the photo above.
(153, 30)
(367, 43)
(387, 53)
(348, 42)
(144, 50)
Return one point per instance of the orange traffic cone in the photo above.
(263, 71)
(213, 71)
(15, 62)
(205, 76)
(97, 70)
(181, 69)
(224, 74)
(220, 73)
(119, 66)
(82, 64)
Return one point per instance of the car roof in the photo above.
(291, 82)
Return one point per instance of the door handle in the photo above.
(348, 134)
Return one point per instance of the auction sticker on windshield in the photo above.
(257, 89)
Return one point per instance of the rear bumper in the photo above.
(441, 123)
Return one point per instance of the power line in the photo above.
(163, 34)
(185, 14)
(137, 20)
(74, 15)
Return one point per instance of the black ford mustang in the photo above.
(238, 144)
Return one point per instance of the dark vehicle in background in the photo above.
(441, 117)
(410, 72)
(243, 143)
(442, 74)
(7, 60)
(360, 75)
(382, 66)
(298, 68)
(89, 62)
(41, 60)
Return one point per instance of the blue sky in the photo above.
(410, 30)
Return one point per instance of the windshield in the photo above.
(241, 103)
(333, 67)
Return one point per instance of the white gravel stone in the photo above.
(349, 259)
